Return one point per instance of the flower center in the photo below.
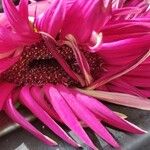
(37, 66)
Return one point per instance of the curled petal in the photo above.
(63, 109)
(23, 9)
(5, 90)
(81, 60)
(62, 62)
(38, 111)
(52, 19)
(90, 119)
(14, 17)
(39, 97)
(122, 71)
(97, 40)
(93, 15)
(106, 114)
(11, 111)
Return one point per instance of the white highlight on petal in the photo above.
(96, 38)
(31, 19)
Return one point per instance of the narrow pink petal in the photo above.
(37, 110)
(120, 99)
(66, 114)
(52, 19)
(123, 85)
(14, 17)
(118, 3)
(6, 54)
(89, 118)
(126, 11)
(23, 9)
(128, 44)
(61, 61)
(106, 114)
(145, 92)
(39, 97)
(138, 81)
(81, 60)
(11, 111)
(10, 40)
(122, 71)
(5, 90)
(118, 31)
(6, 63)
(19, 19)
(93, 15)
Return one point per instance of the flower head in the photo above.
(61, 58)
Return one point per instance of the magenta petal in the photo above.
(127, 44)
(51, 20)
(39, 97)
(39, 7)
(66, 114)
(14, 17)
(19, 20)
(81, 60)
(122, 86)
(23, 9)
(126, 11)
(7, 63)
(90, 119)
(61, 61)
(93, 15)
(106, 114)
(13, 40)
(37, 110)
(11, 111)
(5, 90)
(116, 73)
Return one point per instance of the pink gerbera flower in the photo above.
(57, 57)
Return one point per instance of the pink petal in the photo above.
(40, 6)
(11, 111)
(93, 15)
(66, 114)
(5, 90)
(81, 60)
(6, 63)
(124, 87)
(106, 114)
(23, 9)
(109, 76)
(125, 11)
(128, 44)
(52, 19)
(37, 110)
(61, 61)
(89, 118)
(10, 40)
(18, 19)
(14, 17)
(39, 97)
